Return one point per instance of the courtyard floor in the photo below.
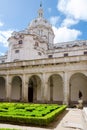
(71, 119)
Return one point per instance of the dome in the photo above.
(41, 27)
(40, 22)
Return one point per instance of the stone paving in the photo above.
(85, 113)
(71, 119)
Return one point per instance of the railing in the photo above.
(47, 61)
(70, 44)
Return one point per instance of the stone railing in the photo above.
(47, 61)
(70, 44)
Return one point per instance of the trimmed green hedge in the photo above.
(33, 114)
(7, 129)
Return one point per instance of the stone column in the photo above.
(44, 88)
(66, 88)
(8, 88)
(51, 89)
(24, 89)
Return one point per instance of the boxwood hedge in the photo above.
(7, 129)
(29, 114)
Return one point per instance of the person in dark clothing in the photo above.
(80, 94)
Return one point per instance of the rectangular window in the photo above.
(50, 56)
(85, 52)
(16, 60)
(39, 53)
(66, 54)
(20, 42)
(3, 61)
(16, 51)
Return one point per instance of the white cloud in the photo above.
(4, 35)
(69, 22)
(64, 34)
(74, 11)
(1, 54)
(73, 8)
(54, 20)
(1, 24)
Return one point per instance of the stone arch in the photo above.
(78, 82)
(34, 89)
(55, 89)
(2, 88)
(16, 90)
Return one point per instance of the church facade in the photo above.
(36, 70)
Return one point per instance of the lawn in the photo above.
(29, 114)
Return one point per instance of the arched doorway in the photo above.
(55, 91)
(16, 91)
(30, 91)
(78, 82)
(2, 89)
(34, 89)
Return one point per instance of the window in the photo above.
(84, 43)
(75, 45)
(50, 56)
(39, 53)
(3, 61)
(16, 51)
(16, 60)
(35, 21)
(20, 42)
(85, 52)
(45, 21)
(66, 54)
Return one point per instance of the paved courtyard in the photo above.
(71, 119)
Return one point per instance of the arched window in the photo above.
(20, 42)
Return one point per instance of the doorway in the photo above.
(34, 89)
(30, 94)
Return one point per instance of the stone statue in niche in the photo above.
(80, 94)
(80, 101)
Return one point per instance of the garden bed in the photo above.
(29, 114)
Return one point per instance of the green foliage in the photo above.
(7, 129)
(34, 114)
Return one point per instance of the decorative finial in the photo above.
(41, 4)
(40, 11)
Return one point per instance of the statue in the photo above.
(80, 101)
(80, 95)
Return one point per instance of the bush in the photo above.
(33, 114)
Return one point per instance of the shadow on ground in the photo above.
(58, 119)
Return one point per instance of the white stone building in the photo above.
(36, 70)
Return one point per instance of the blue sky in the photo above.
(68, 18)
